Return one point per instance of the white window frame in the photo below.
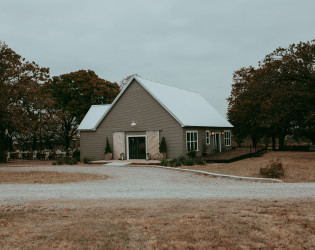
(207, 137)
(191, 141)
(227, 139)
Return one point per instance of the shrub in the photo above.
(163, 147)
(190, 162)
(72, 161)
(200, 161)
(182, 160)
(192, 154)
(175, 163)
(164, 162)
(76, 155)
(54, 163)
(107, 148)
(66, 160)
(273, 170)
(86, 160)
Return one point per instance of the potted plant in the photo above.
(108, 151)
(163, 148)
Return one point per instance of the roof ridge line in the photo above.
(167, 85)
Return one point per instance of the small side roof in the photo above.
(93, 117)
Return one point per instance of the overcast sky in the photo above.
(195, 45)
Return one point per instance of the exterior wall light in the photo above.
(133, 123)
(222, 132)
(212, 133)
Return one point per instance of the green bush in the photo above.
(192, 154)
(54, 163)
(107, 148)
(163, 147)
(200, 161)
(86, 160)
(164, 162)
(273, 170)
(66, 160)
(175, 163)
(190, 162)
(76, 155)
(182, 160)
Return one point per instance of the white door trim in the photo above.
(127, 143)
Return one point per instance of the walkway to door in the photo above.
(128, 162)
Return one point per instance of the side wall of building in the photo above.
(135, 105)
(202, 145)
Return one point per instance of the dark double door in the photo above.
(137, 148)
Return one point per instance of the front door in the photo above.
(217, 142)
(137, 148)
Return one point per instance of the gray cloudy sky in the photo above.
(196, 45)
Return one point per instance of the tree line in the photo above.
(277, 98)
(42, 112)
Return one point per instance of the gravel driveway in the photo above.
(146, 182)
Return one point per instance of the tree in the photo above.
(73, 95)
(21, 96)
(244, 107)
(278, 96)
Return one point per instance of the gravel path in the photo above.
(146, 182)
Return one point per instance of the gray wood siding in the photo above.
(136, 104)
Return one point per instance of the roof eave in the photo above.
(85, 130)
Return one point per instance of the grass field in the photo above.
(299, 166)
(163, 224)
(159, 224)
(46, 177)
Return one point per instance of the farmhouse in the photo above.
(146, 111)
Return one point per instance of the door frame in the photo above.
(127, 143)
(214, 140)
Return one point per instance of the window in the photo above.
(227, 138)
(207, 137)
(192, 141)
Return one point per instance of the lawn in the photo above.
(159, 224)
(46, 177)
(299, 166)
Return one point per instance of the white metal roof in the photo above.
(93, 117)
(187, 107)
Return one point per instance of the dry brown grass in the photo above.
(46, 177)
(299, 166)
(23, 163)
(159, 224)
